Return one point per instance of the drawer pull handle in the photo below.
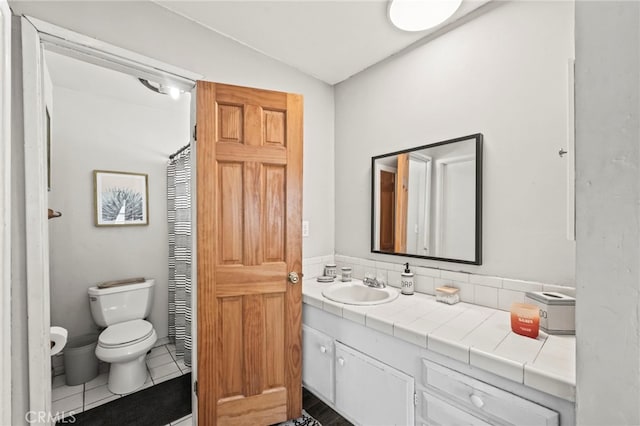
(323, 349)
(476, 400)
(341, 361)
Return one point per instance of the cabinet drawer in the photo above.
(317, 363)
(480, 397)
(440, 413)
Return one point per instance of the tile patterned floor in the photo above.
(162, 364)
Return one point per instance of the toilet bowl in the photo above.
(125, 346)
(127, 337)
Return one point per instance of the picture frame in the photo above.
(120, 198)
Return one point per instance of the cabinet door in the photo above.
(371, 393)
(317, 363)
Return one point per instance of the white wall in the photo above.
(608, 195)
(503, 74)
(96, 132)
(151, 30)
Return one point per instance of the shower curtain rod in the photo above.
(171, 157)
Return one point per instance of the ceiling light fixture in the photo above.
(173, 92)
(419, 15)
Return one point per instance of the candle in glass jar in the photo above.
(525, 319)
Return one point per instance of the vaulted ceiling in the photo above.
(330, 40)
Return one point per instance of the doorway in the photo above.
(106, 124)
(40, 39)
(387, 210)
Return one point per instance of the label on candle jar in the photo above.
(525, 319)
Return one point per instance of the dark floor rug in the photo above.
(155, 406)
(304, 420)
(320, 411)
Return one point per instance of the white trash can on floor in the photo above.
(80, 362)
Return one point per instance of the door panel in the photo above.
(231, 208)
(275, 207)
(275, 128)
(387, 210)
(230, 349)
(249, 151)
(402, 199)
(274, 316)
(230, 124)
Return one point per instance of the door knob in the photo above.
(476, 400)
(341, 361)
(323, 349)
(293, 277)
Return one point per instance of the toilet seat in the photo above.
(125, 334)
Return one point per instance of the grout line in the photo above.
(173, 357)
(153, 382)
(175, 360)
(84, 397)
(477, 326)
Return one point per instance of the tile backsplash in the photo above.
(493, 292)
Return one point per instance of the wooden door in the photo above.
(387, 209)
(249, 202)
(402, 201)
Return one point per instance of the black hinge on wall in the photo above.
(195, 387)
(195, 132)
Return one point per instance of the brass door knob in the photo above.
(294, 278)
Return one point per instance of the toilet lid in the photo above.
(125, 333)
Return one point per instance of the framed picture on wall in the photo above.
(121, 198)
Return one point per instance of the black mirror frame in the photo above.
(478, 237)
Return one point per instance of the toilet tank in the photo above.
(121, 303)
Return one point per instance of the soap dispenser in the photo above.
(406, 282)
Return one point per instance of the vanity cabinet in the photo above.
(454, 398)
(372, 393)
(372, 378)
(362, 389)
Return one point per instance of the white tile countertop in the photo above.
(472, 334)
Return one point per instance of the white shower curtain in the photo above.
(179, 216)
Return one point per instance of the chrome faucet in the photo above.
(373, 282)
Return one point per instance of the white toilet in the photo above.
(127, 337)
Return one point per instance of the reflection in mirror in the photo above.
(427, 201)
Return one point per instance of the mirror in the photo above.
(427, 201)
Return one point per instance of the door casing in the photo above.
(35, 35)
(5, 213)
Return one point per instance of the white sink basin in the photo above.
(356, 293)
